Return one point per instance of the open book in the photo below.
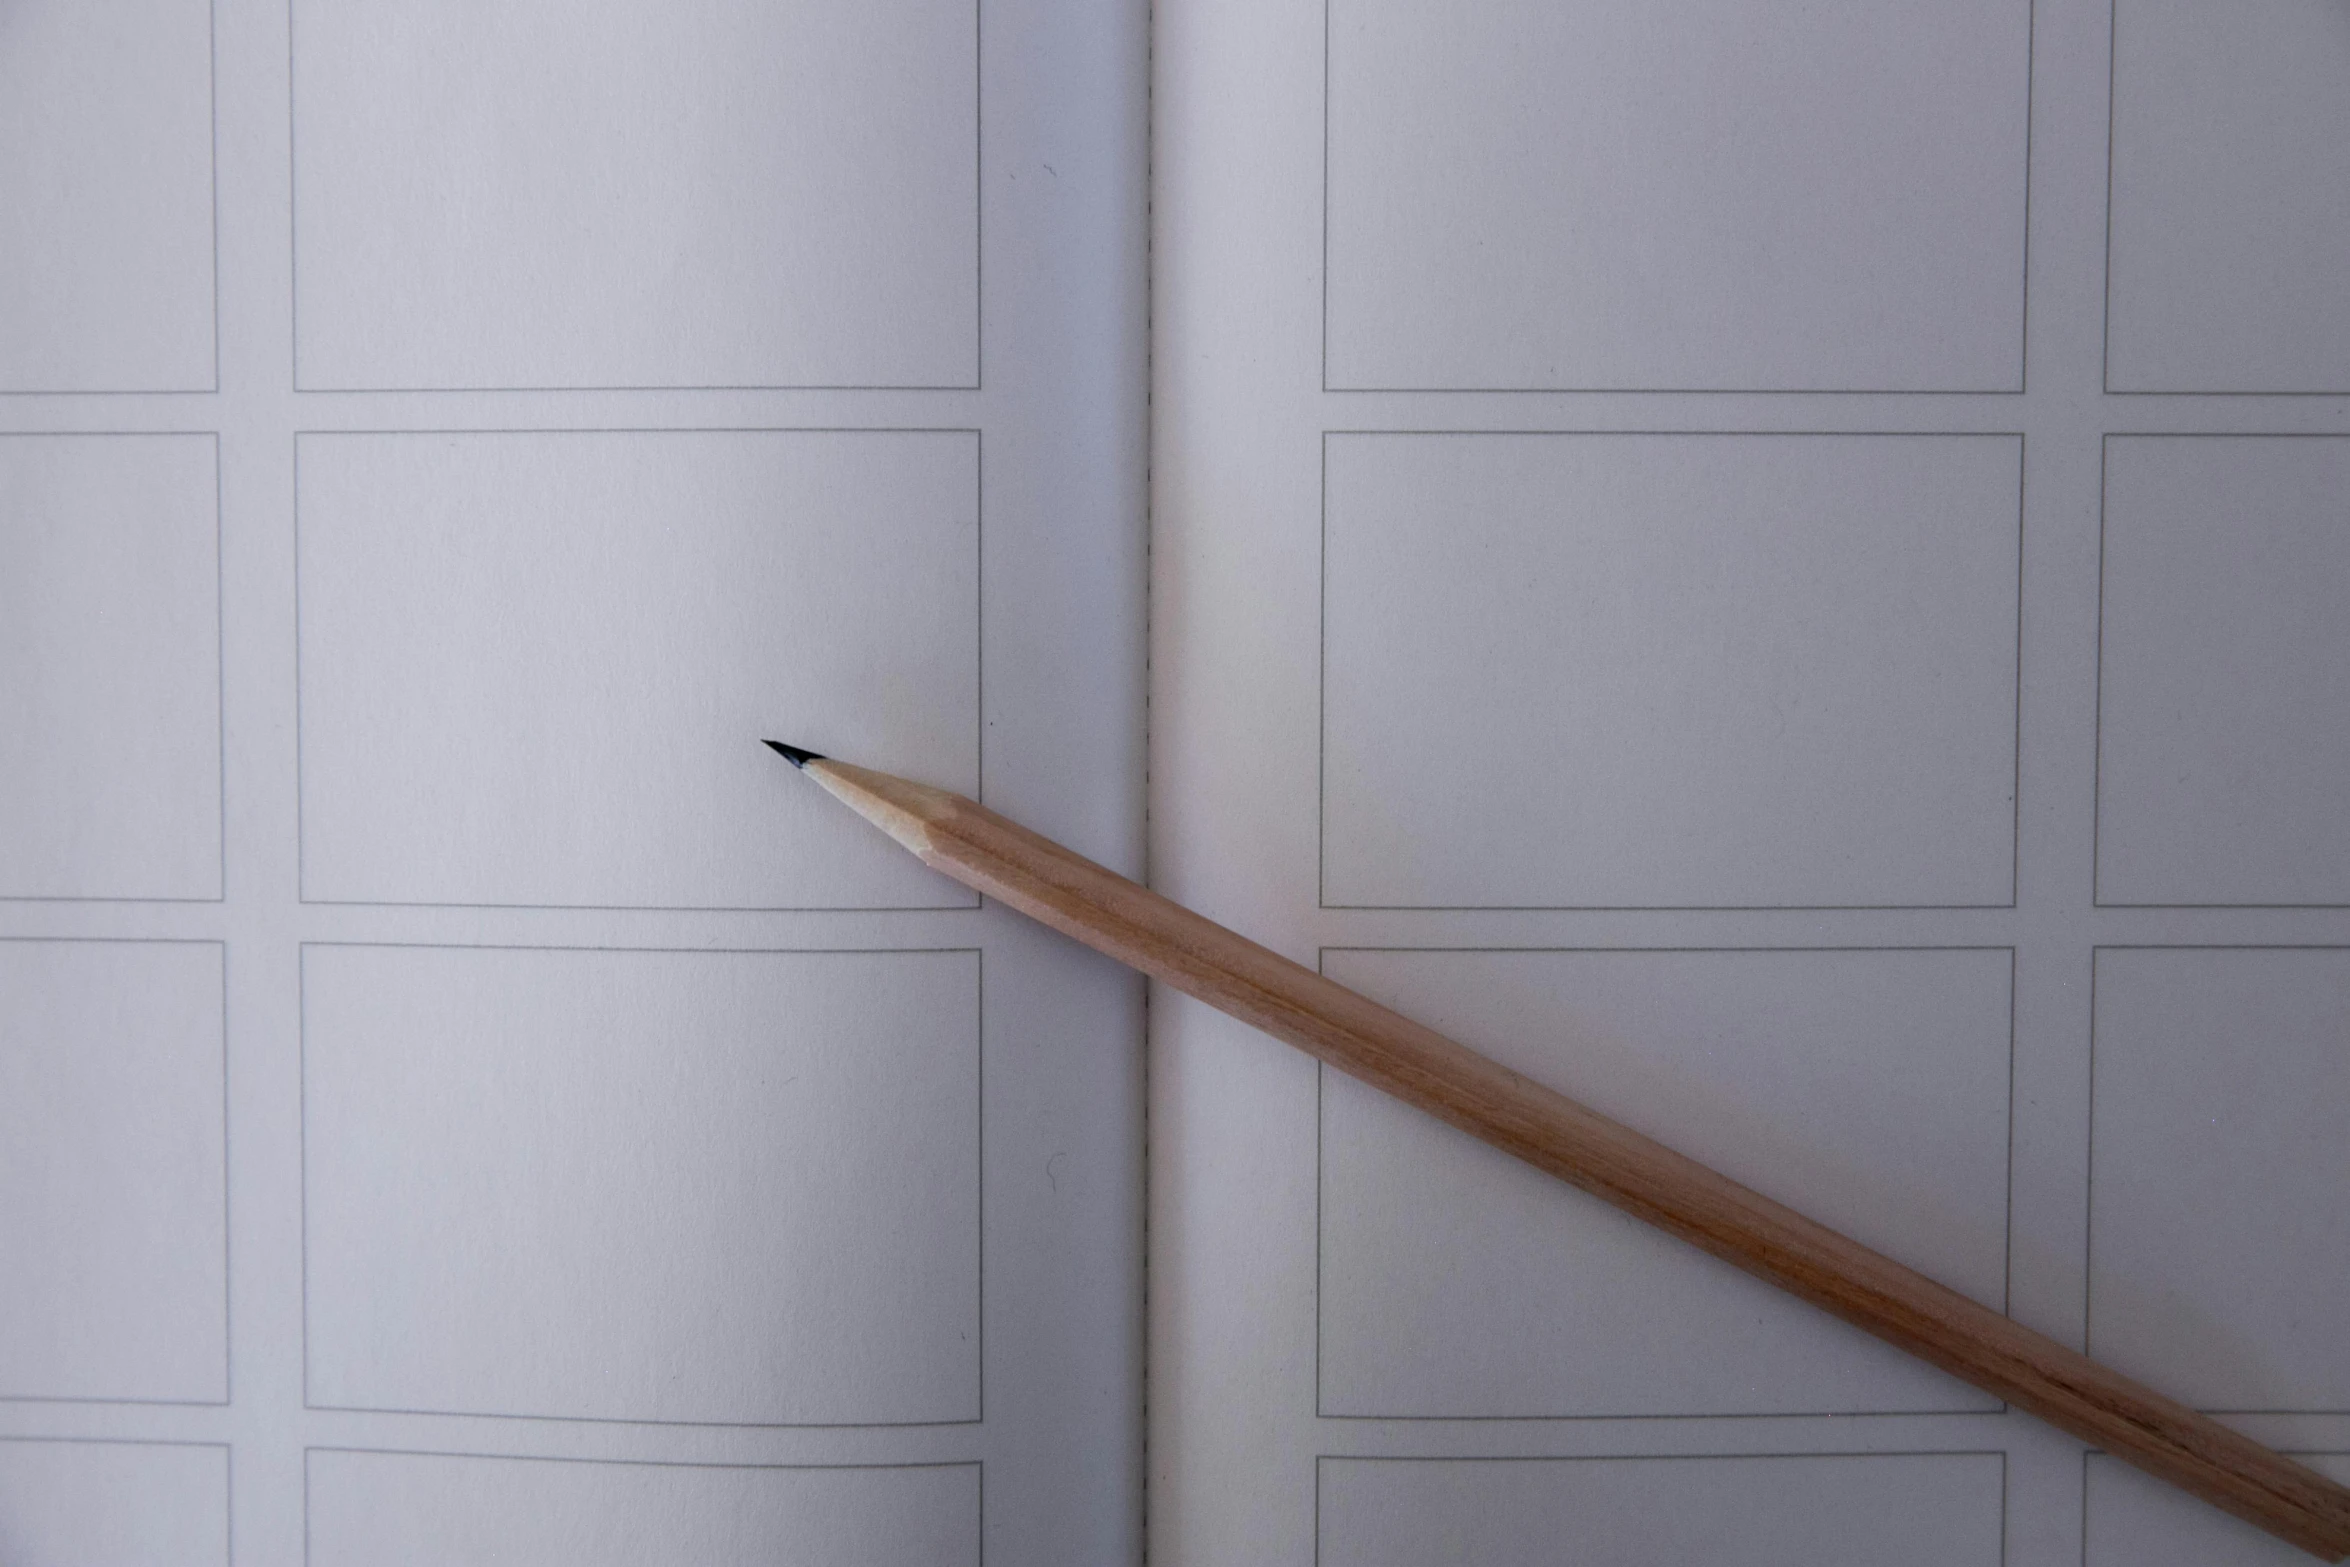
(1783, 569)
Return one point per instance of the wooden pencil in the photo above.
(1168, 942)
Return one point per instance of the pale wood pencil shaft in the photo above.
(1645, 1178)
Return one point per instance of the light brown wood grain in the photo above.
(1643, 1177)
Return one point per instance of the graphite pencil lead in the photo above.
(793, 754)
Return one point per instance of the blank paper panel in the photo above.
(400, 1509)
(2134, 1520)
(113, 1216)
(1918, 1509)
(2230, 231)
(536, 668)
(1867, 1089)
(2224, 671)
(109, 665)
(113, 1504)
(2219, 1211)
(632, 193)
(106, 183)
(1686, 195)
(1669, 671)
(734, 1187)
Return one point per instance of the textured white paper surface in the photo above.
(1648, 576)
(462, 1097)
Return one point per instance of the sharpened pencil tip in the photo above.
(793, 754)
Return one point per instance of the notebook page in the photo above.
(461, 1097)
(1785, 572)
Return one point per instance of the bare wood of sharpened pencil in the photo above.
(1643, 1177)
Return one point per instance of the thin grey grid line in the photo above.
(228, 1247)
(293, 260)
(1322, 680)
(220, 644)
(467, 1456)
(978, 202)
(2097, 698)
(979, 623)
(2337, 396)
(113, 1441)
(1321, 814)
(301, 748)
(973, 1422)
(978, 1183)
(648, 908)
(1983, 392)
(1775, 1455)
(2097, 898)
(302, 1156)
(2089, 1162)
(212, 127)
(1322, 1073)
(2007, 1218)
(2023, 350)
(979, 641)
(1321, 1188)
(2105, 303)
(978, 271)
(979, 1031)
(1325, 278)
(2006, 1500)
(648, 389)
(107, 391)
(2015, 860)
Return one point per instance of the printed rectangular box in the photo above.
(106, 179)
(536, 667)
(2230, 209)
(747, 1193)
(2219, 1241)
(1866, 1088)
(113, 1185)
(371, 1509)
(1676, 195)
(70, 1503)
(702, 193)
(110, 695)
(1661, 671)
(2223, 716)
(1920, 1509)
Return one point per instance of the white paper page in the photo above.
(461, 1097)
(1666, 566)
